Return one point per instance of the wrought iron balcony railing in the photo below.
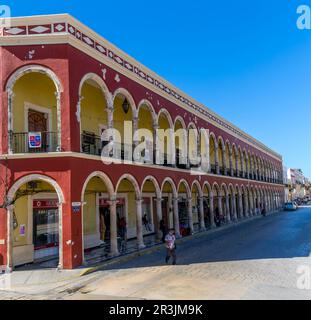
(33, 142)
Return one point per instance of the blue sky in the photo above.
(245, 60)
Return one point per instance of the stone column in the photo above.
(159, 217)
(234, 208)
(246, 213)
(135, 128)
(113, 227)
(220, 206)
(9, 239)
(190, 216)
(211, 206)
(228, 209)
(242, 213)
(231, 164)
(176, 218)
(216, 159)
(224, 161)
(172, 151)
(59, 125)
(156, 153)
(139, 224)
(202, 222)
(110, 111)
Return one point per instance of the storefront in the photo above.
(45, 228)
(104, 219)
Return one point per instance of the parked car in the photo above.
(290, 206)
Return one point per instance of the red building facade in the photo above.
(242, 176)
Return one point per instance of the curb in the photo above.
(159, 246)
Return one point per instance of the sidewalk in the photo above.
(41, 278)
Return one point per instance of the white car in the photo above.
(290, 206)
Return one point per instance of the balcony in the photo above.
(33, 142)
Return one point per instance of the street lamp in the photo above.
(125, 106)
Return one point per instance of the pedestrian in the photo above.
(263, 212)
(146, 223)
(170, 246)
(217, 217)
(163, 229)
(122, 228)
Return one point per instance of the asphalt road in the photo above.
(257, 259)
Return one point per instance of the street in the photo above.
(254, 260)
(257, 259)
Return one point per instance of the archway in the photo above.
(93, 113)
(152, 208)
(213, 153)
(185, 208)
(36, 218)
(217, 204)
(170, 205)
(165, 139)
(228, 155)
(197, 210)
(208, 205)
(181, 146)
(146, 135)
(193, 146)
(221, 156)
(34, 116)
(125, 124)
(128, 191)
(97, 217)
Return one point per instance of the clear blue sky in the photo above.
(246, 60)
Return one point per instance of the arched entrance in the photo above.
(197, 211)
(96, 196)
(35, 219)
(185, 208)
(152, 207)
(128, 191)
(208, 203)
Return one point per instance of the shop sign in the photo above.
(34, 140)
(45, 204)
(104, 202)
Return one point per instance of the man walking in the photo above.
(170, 246)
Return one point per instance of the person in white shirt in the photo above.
(170, 246)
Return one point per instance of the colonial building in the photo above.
(298, 183)
(62, 86)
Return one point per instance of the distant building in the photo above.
(299, 185)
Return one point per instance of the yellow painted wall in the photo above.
(192, 144)
(93, 109)
(163, 141)
(21, 213)
(94, 187)
(89, 214)
(119, 116)
(212, 151)
(36, 89)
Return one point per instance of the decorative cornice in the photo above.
(66, 25)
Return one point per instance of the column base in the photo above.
(202, 229)
(114, 254)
